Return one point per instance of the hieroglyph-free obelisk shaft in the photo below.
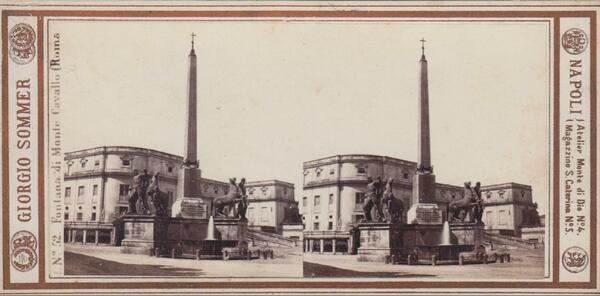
(424, 210)
(189, 203)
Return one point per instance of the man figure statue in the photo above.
(478, 203)
(243, 203)
(134, 192)
(144, 184)
(378, 197)
(158, 198)
(394, 205)
(373, 199)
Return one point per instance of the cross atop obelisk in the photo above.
(423, 47)
(193, 35)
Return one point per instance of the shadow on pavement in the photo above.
(319, 270)
(78, 264)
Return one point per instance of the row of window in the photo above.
(502, 217)
(359, 171)
(316, 224)
(81, 192)
(124, 162)
(79, 214)
(317, 202)
(501, 194)
(263, 215)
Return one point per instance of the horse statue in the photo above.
(158, 198)
(235, 196)
(460, 208)
(394, 205)
(160, 202)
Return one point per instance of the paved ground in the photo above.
(106, 260)
(525, 264)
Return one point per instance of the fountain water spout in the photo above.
(445, 239)
(210, 233)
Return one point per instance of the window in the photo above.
(79, 216)
(330, 225)
(330, 204)
(331, 171)
(123, 189)
(96, 162)
(318, 173)
(95, 190)
(359, 198)
(68, 192)
(502, 217)
(80, 193)
(264, 214)
(317, 202)
(488, 217)
(316, 226)
(361, 170)
(126, 162)
(66, 216)
(304, 201)
(170, 169)
(405, 175)
(83, 164)
(93, 216)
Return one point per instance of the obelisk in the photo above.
(424, 209)
(189, 202)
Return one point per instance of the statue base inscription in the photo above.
(189, 208)
(422, 213)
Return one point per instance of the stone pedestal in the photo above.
(189, 182)
(182, 229)
(466, 233)
(423, 188)
(143, 233)
(189, 203)
(190, 208)
(427, 214)
(230, 229)
(378, 240)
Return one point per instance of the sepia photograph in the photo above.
(304, 148)
(299, 147)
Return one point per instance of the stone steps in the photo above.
(264, 238)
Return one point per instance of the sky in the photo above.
(274, 94)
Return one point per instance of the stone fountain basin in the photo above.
(441, 253)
